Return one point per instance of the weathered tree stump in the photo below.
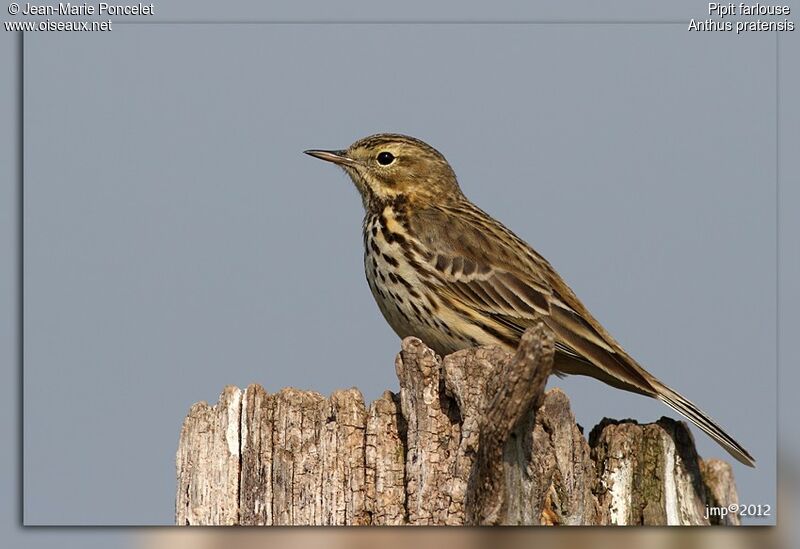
(470, 439)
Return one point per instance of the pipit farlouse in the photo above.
(443, 270)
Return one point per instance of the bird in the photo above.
(443, 270)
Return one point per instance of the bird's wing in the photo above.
(490, 272)
(487, 269)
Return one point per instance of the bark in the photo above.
(472, 438)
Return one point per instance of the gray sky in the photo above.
(159, 268)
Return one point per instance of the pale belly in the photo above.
(395, 305)
(410, 304)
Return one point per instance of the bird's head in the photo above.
(386, 166)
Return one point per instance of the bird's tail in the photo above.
(701, 419)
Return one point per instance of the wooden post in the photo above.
(470, 439)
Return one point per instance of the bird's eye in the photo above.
(385, 158)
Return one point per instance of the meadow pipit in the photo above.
(443, 270)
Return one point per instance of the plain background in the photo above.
(176, 240)
(555, 147)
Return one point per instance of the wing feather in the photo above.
(497, 279)
(502, 279)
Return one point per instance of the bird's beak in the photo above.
(337, 157)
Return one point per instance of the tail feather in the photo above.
(701, 419)
(620, 370)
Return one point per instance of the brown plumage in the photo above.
(443, 270)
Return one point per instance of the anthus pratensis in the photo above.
(443, 270)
